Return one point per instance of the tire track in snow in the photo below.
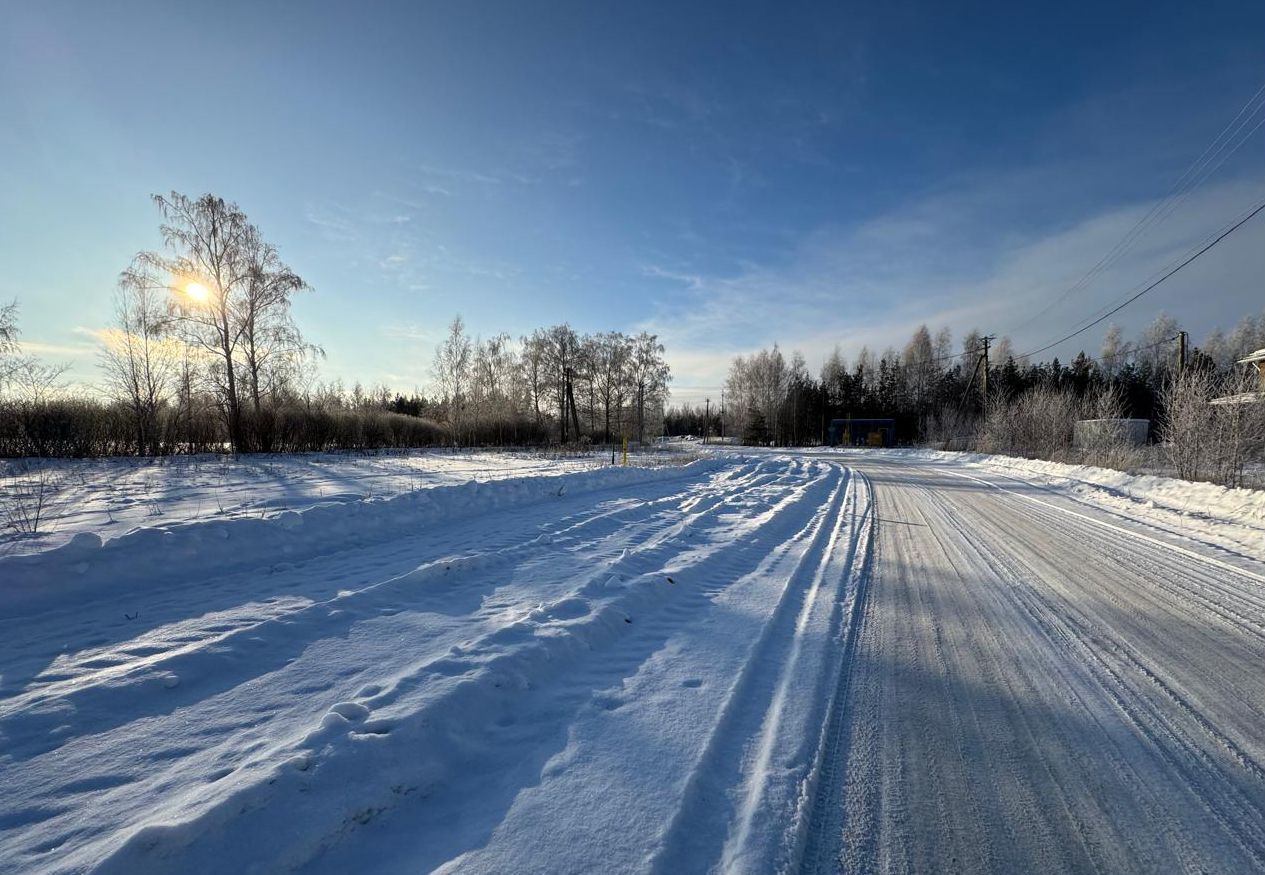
(535, 654)
(813, 840)
(146, 654)
(707, 503)
(1131, 684)
(738, 848)
(744, 802)
(129, 675)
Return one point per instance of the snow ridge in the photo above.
(88, 567)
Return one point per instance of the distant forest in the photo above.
(936, 392)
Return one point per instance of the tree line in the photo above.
(944, 396)
(204, 355)
(553, 382)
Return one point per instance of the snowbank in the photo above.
(87, 566)
(1104, 485)
(110, 497)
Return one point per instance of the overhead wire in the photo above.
(1195, 175)
(1150, 286)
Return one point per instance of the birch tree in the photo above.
(451, 369)
(611, 353)
(140, 359)
(648, 376)
(228, 293)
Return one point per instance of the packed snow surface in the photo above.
(757, 662)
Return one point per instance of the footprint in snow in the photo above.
(350, 710)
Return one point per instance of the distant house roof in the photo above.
(1258, 356)
(1241, 398)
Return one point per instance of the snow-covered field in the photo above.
(110, 497)
(755, 662)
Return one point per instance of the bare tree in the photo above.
(587, 367)
(920, 364)
(1003, 352)
(943, 344)
(229, 294)
(492, 390)
(1240, 429)
(561, 348)
(453, 360)
(8, 327)
(648, 374)
(28, 380)
(273, 347)
(834, 377)
(738, 396)
(1185, 428)
(533, 367)
(611, 353)
(1154, 347)
(1113, 352)
(139, 359)
(972, 346)
(8, 339)
(1248, 335)
(867, 368)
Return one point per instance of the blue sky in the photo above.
(728, 175)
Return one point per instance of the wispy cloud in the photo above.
(691, 281)
(941, 261)
(410, 331)
(493, 177)
(459, 175)
(333, 225)
(60, 350)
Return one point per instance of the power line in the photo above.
(1224, 234)
(1158, 273)
(1133, 350)
(1194, 176)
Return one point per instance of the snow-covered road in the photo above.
(749, 664)
(1040, 685)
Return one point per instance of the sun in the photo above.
(197, 292)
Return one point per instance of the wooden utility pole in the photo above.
(986, 340)
(707, 421)
(1182, 339)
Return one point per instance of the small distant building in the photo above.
(862, 432)
(1088, 433)
(1256, 360)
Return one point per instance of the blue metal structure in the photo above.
(862, 432)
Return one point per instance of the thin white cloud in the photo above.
(410, 331)
(874, 284)
(72, 350)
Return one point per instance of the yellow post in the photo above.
(625, 452)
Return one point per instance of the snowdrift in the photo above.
(88, 567)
